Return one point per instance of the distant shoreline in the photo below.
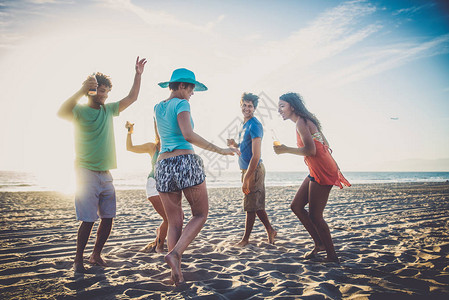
(356, 185)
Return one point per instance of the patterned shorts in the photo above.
(179, 172)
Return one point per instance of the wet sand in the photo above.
(392, 239)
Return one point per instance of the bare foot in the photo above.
(97, 261)
(332, 260)
(271, 236)
(242, 243)
(174, 262)
(159, 248)
(314, 252)
(79, 267)
(151, 247)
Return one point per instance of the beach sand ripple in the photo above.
(392, 239)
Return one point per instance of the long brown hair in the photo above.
(295, 100)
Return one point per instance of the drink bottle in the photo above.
(275, 138)
(93, 92)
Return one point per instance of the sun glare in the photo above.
(60, 181)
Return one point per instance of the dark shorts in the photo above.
(311, 178)
(179, 172)
(255, 200)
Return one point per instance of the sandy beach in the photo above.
(392, 239)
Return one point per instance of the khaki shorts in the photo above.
(255, 200)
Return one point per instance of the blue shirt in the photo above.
(166, 115)
(250, 130)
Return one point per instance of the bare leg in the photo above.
(150, 247)
(103, 231)
(161, 232)
(83, 236)
(298, 207)
(262, 214)
(250, 218)
(173, 210)
(318, 196)
(199, 203)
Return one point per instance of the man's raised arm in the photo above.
(134, 92)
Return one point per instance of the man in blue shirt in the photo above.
(253, 170)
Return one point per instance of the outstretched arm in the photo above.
(144, 148)
(134, 92)
(231, 143)
(197, 140)
(65, 111)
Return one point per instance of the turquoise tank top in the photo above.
(153, 163)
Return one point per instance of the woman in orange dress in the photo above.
(324, 173)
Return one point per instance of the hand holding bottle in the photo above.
(231, 143)
(92, 88)
(90, 85)
(130, 127)
(275, 139)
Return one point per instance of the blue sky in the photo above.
(358, 64)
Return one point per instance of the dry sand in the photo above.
(393, 241)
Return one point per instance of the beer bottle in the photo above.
(93, 92)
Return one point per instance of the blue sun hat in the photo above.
(184, 75)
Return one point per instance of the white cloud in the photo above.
(151, 17)
(412, 10)
(333, 32)
(211, 25)
(390, 57)
(49, 1)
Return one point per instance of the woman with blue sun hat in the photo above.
(178, 169)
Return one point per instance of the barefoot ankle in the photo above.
(242, 243)
(79, 267)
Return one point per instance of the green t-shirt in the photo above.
(94, 136)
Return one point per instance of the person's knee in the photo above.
(316, 218)
(298, 209)
(202, 215)
(175, 228)
(107, 220)
(86, 226)
(251, 214)
(155, 200)
(164, 224)
(294, 208)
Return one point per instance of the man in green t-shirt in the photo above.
(95, 156)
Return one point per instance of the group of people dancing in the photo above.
(177, 170)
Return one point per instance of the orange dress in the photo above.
(322, 165)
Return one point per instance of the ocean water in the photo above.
(26, 181)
